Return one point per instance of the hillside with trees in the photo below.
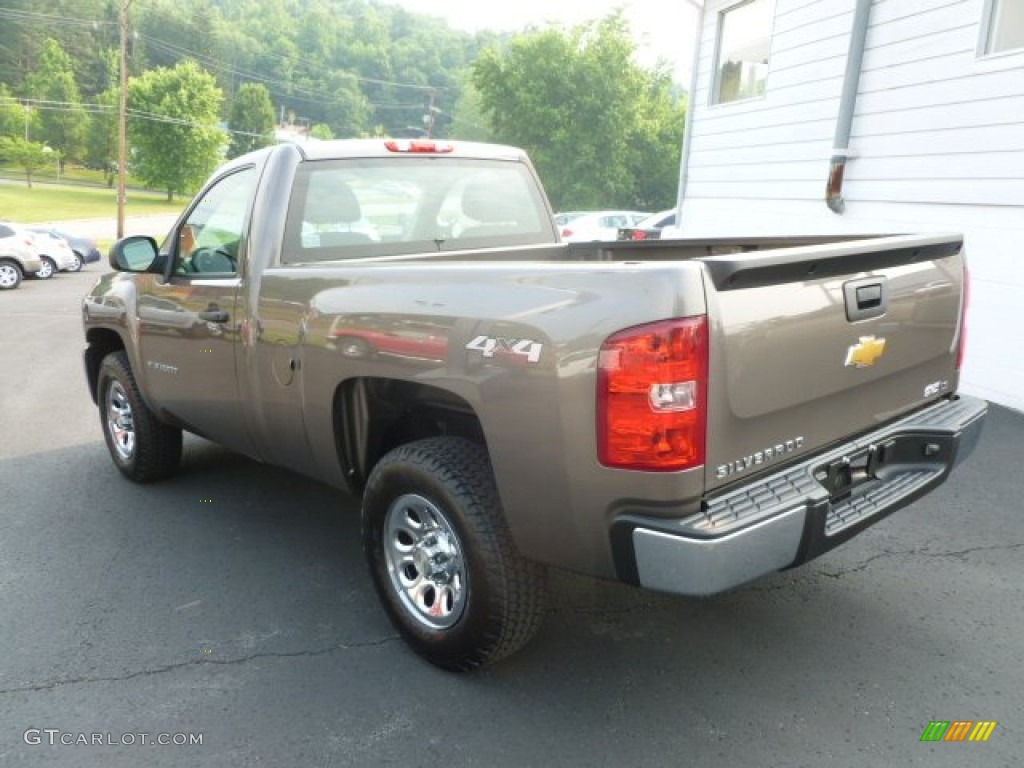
(602, 131)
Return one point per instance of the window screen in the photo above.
(744, 44)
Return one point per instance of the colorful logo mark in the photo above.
(959, 730)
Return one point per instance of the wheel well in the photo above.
(102, 342)
(373, 416)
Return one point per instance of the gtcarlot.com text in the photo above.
(56, 737)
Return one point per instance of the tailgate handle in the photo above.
(865, 298)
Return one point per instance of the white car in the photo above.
(55, 253)
(18, 256)
(600, 225)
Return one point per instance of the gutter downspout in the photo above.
(684, 158)
(847, 106)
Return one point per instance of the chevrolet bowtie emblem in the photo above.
(865, 353)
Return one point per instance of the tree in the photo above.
(321, 131)
(252, 120)
(468, 119)
(174, 135)
(101, 142)
(62, 120)
(12, 114)
(598, 126)
(28, 155)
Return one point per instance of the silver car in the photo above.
(18, 256)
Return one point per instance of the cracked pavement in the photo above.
(251, 620)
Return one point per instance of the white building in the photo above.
(936, 140)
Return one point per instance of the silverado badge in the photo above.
(865, 353)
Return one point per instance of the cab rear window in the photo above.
(347, 209)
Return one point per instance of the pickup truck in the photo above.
(398, 319)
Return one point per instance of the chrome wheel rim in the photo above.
(120, 421)
(8, 276)
(78, 263)
(424, 561)
(46, 271)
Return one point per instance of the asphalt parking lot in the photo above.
(232, 603)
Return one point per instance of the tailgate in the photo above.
(811, 345)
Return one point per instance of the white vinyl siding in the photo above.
(937, 144)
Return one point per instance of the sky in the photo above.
(663, 29)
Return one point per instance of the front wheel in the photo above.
(442, 558)
(77, 266)
(10, 275)
(143, 448)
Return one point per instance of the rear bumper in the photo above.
(789, 517)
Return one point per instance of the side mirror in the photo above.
(137, 253)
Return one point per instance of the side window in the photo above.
(210, 239)
(741, 58)
(1002, 27)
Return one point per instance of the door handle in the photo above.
(214, 316)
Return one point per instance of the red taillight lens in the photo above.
(566, 232)
(962, 343)
(652, 396)
(639, 234)
(419, 146)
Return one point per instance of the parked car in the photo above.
(55, 253)
(600, 225)
(18, 256)
(84, 248)
(561, 219)
(650, 228)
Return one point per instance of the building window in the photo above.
(1002, 27)
(744, 42)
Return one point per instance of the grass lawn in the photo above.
(47, 202)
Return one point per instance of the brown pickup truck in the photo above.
(399, 319)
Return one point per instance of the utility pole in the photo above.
(431, 114)
(122, 119)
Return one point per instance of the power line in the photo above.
(111, 110)
(200, 57)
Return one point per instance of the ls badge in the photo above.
(865, 353)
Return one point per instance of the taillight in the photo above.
(962, 343)
(566, 232)
(638, 234)
(419, 146)
(652, 396)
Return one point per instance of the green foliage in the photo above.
(252, 120)
(321, 131)
(101, 141)
(469, 122)
(602, 131)
(30, 156)
(12, 114)
(176, 142)
(62, 120)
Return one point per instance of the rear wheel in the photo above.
(10, 275)
(48, 268)
(442, 558)
(143, 448)
(77, 266)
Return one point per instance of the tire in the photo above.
(353, 347)
(442, 558)
(49, 268)
(79, 263)
(10, 275)
(142, 447)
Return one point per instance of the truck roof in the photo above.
(387, 147)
